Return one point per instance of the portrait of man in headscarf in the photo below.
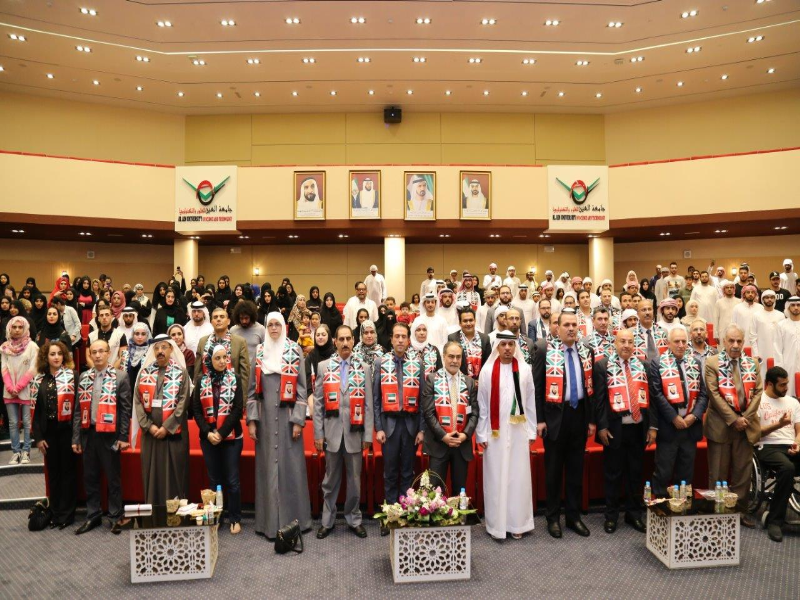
(365, 191)
(310, 193)
(420, 196)
(475, 193)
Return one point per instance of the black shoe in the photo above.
(384, 530)
(748, 521)
(88, 525)
(610, 526)
(636, 523)
(323, 532)
(64, 525)
(774, 532)
(578, 527)
(358, 530)
(119, 525)
(554, 529)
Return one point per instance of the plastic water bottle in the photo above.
(462, 500)
(675, 491)
(648, 493)
(725, 490)
(218, 499)
(718, 493)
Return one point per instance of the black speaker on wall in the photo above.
(392, 115)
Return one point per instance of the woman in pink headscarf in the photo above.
(18, 366)
(117, 304)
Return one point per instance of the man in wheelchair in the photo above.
(779, 447)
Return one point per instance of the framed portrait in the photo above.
(476, 195)
(420, 196)
(309, 195)
(365, 194)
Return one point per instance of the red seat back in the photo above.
(710, 334)
(770, 363)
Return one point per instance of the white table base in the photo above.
(430, 553)
(693, 541)
(173, 553)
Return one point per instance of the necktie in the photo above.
(737, 381)
(343, 376)
(573, 380)
(633, 397)
(454, 395)
(651, 345)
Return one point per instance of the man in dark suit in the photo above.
(476, 347)
(623, 428)
(538, 327)
(566, 415)
(100, 432)
(396, 388)
(450, 410)
(678, 401)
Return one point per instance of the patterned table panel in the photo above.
(173, 554)
(692, 541)
(430, 554)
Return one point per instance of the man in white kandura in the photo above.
(506, 426)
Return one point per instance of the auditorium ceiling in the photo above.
(589, 56)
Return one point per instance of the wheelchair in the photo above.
(762, 490)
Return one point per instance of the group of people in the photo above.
(465, 366)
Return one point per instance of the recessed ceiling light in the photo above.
(50, 76)
(364, 59)
(552, 23)
(292, 21)
(219, 94)
(253, 61)
(757, 38)
(420, 59)
(635, 59)
(771, 70)
(665, 233)
(693, 49)
(371, 92)
(544, 235)
(689, 13)
(180, 94)
(147, 235)
(139, 88)
(1, 68)
(423, 20)
(96, 82)
(444, 235)
(294, 93)
(761, 1)
(86, 49)
(228, 23)
(582, 63)
(409, 92)
(143, 59)
(89, 11)
(485, 92)
(358, 20)
(199, 62)
(475, 61)
(528, 61)
(524, 93)
(309, 60)
(257, 94)
(17, 231)
(560, 94)
(724, 77)
(343, 235)
(598, 95)
(680, 84)
(615, 24)
(244, 237)
(638, 90)
(447, 92)
(488, 21)
(17, 38)
(781, 228)
(333, 92)
(164, 23)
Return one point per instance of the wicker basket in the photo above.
(208, 496)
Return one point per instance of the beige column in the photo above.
(185, 256)
(601, 260)
(394, 267)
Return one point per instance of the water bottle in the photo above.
(683, 490)
(218, 499)
(462, 500)
(725, 490)
(648, 493)
(675, 491)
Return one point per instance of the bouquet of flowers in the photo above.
(426, 506)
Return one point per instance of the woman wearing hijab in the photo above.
(329, 313)
(178, 335)
(313, 302)
(18, 366)
(117, 304)
(217, 405)
(284, 302)
(52, 391)
(645, 291)
(62, 283)
(361, 316)
(5, 281)
(275, 420)
(368, 348)
(86, 300)
(30, 282)
(223, 295)
(137, 349)
(267, 305)
(290, 291)
(17, 308)
(323, 350)
(692, 313)
(384, 326)
(38, 311)
(169, 313)
(296, 317)
(159, 295)
(53, 329)
(422, 349)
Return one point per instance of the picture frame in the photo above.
(310, 198)
(475, 190)
(419, 196)
(365, 194)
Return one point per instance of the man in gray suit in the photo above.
(450, 410)
(343, 421)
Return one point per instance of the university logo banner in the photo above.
(205, 199)
(577, 198)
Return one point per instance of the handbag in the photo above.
(289, 539)
(40, 516)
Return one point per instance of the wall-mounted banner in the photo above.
(205, 199)
(577, 198)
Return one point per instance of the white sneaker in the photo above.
(14, 459)
(26, 458)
